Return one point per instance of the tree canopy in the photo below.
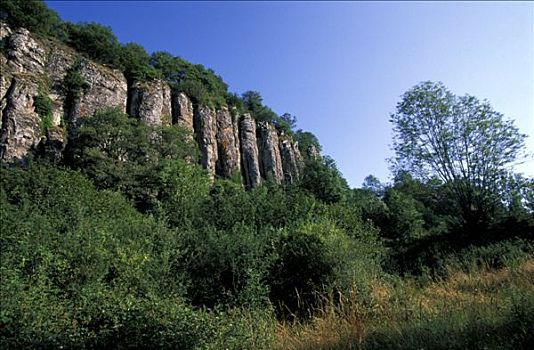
(461, 140)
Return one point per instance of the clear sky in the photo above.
(341, 67)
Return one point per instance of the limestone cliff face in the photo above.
(291, 160)
(20, 123)
(182, 111)
(229, 155)
(249, 151)
(25, 54)
(205, 125)
(31, 68)
(21, 68)
(106, 87)
(269, 152)
(150, 102)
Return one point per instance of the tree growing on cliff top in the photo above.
(461, 140)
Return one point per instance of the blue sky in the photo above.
(341, 67)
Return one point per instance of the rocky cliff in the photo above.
(231, 144)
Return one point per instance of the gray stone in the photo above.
(205, 126)
(270, 159)
(151, 102)
(20, 131)
(249, 152)
(228, 161)
(291, 160)
(182, 111)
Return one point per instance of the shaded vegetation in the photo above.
(129, 244)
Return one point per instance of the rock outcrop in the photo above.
(20, 132)
(229, 155)
(249, 151)
(25, 54)
(291, 160)
(21, 80)
(269, 152)
(205, 125)
(105, 88)
(182, 111)
(32, 69)
(150, 102)
(54, 144)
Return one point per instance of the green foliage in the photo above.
(124, 154)
(135, 62)
(285, 123)
(312, 260)
(183, 189)
(262, 207)
(306, 141)
(234, 100)
(33, 15)
(226, 267)
(73, 83)
(506, 253)
(323, 180)
(82, 269)
(253, 103)
(67, 249)
(199, 83)
(372, 183)
(405, 220)
(43, 107)
(95, 41)
(460, 140)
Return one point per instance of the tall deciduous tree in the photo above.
(461, 140)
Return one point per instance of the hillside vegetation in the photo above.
(130, 244)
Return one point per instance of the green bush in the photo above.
(322, 179)
(314, 260)
(122, 153)
(43, 107)
(73, 85)
(226, 267)
(68, 251)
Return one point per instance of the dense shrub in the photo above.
(495, 256)
(226, 267)
(124, 154)
(317, 258)
(82, 269)
(71, 255)
(322, 179)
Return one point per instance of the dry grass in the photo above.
(453, 302)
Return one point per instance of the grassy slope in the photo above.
(485, 309)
